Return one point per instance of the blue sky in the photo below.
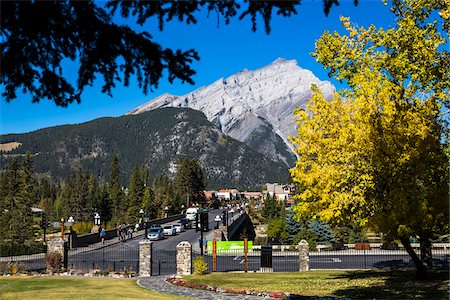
(223, 50)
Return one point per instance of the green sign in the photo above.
(224, 246)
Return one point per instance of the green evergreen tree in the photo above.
(148, 205)
(116, 195)
(271, 209)
(67, 198)
(188, 183)
(135, 195)
(104, 207)
(92, 200)
(322, 231)
(16, 217)
(293, 226)
(81, 195)
(162, 187)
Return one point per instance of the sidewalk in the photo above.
(157, 283)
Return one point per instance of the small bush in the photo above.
(261, 240)
(54, 261)
(200, 265)
(82, 228)
(389, 246)
(12, 268)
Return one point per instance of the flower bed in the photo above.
(274, 295)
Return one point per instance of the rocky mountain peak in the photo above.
(255, 107)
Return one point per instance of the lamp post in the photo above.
(142, 217)
(71, 221)
(166, 212)
(62, 228)
(97, 219)
(145, 224)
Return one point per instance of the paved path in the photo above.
(157, 283)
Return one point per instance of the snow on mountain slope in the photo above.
(255, 107)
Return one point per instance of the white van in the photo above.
(191, 213)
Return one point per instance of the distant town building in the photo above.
(282, 192)
(210, 195)
(250, 195)
(231, 194)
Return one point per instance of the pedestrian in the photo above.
(130, 233)
(122, 231)
(102, 235)
(136, 228)
(205, 246)
(119, 234)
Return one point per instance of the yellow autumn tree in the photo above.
(374, 154)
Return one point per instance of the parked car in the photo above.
(155, 226)
(169, 230)
(155, 234)
(179, 228)
(185, 223)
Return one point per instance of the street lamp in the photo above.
(144, 220)
(142, 217)
(70, 221)
(97, 219)
(166, 212)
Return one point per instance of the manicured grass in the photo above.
(380, 284)
(28, 287)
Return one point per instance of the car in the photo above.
(169, 230)
(191, 213)
(155, 234)
(155, 226)
(185, 223)
(179, 227)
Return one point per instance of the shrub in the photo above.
(54, 261)
(22, 249)
(12, 268)
(83, 228)
(261, 240)
(200, 265)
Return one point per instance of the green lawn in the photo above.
(28, 287)
(371, 284)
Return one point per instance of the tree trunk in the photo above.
(420, 267)
(425, 251)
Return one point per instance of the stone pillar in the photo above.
(56, 258)
(303, 251)
(145, 258)
(184, 258)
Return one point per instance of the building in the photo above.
(231, 194)
(282, 192)
(250, 195)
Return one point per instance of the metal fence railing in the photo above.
(288, 261)
(164, 262)
(22, 263)
(123, 257)
(372, 259)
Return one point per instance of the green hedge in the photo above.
(13, 250)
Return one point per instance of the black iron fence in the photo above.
(164, 262)
(122, 257)
(288, 261)
(22, 263)
(372, 259)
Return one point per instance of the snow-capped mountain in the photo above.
(255, 107)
